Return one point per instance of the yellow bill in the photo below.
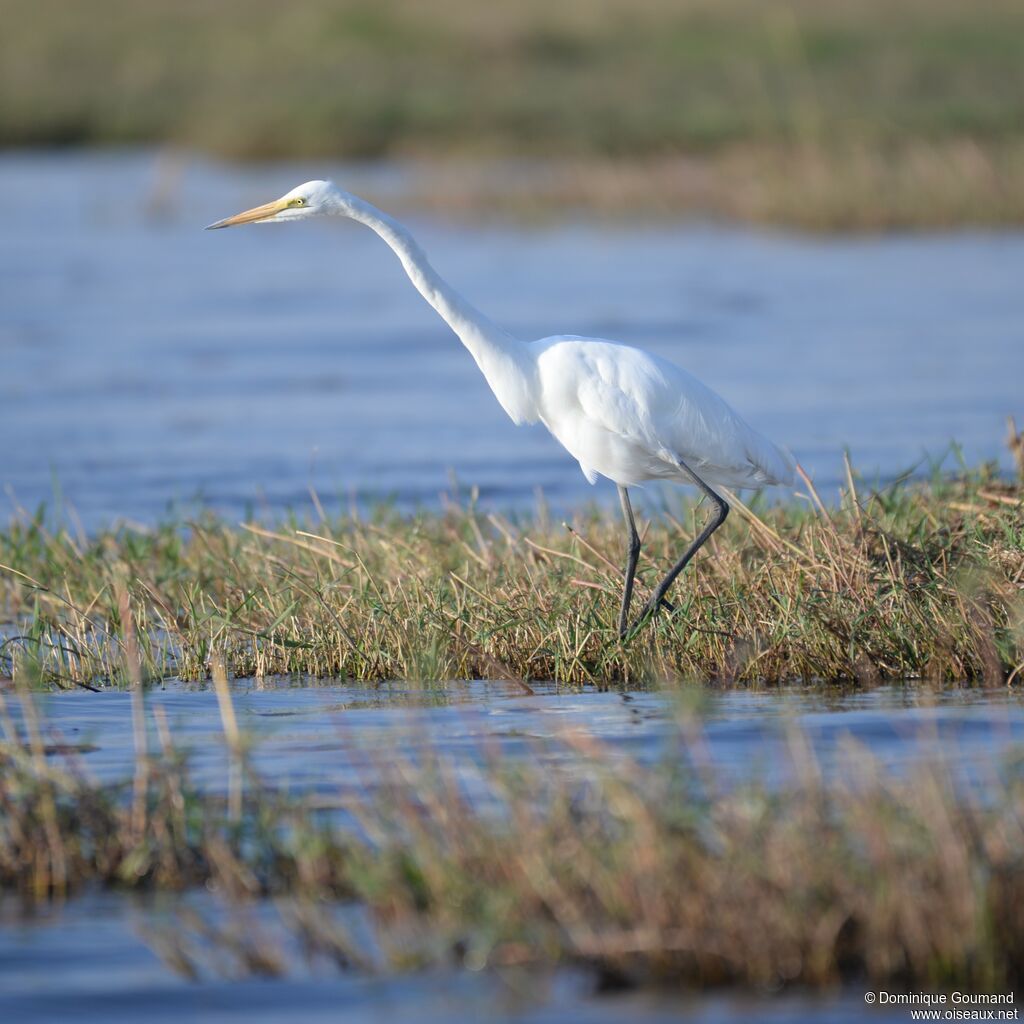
(257, 213)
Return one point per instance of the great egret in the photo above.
(620, 412)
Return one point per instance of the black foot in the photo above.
(641, 620)
(628, 631)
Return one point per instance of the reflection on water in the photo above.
(146, 362)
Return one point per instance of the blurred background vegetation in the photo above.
(823, 112)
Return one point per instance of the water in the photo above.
(109, 976)
(147, 363)
(321, 737)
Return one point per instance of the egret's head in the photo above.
(312, 199)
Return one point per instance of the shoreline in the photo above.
(917, 187)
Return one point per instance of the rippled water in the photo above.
(145, 362)
(323, 736)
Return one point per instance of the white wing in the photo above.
(631, 416)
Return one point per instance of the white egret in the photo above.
(620, 412)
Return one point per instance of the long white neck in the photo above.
(505, 362)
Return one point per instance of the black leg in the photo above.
(719, 511)
(633, 556)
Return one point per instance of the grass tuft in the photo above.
(922, 581)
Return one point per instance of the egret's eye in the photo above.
(298, 201)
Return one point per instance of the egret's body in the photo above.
(630, 416)
(622, 413)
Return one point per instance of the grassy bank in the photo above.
(829, 114)
(852, 186)
(916, 581)
(642, 875)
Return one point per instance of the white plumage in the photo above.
(632, 417)
(620, 412)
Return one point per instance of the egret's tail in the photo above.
(770, 464)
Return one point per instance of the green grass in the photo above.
(796, 103)
(916, 581)
(640, 875)
(616, 77)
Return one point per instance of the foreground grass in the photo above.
(643, 875)
(825, 114)
(917, 581)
